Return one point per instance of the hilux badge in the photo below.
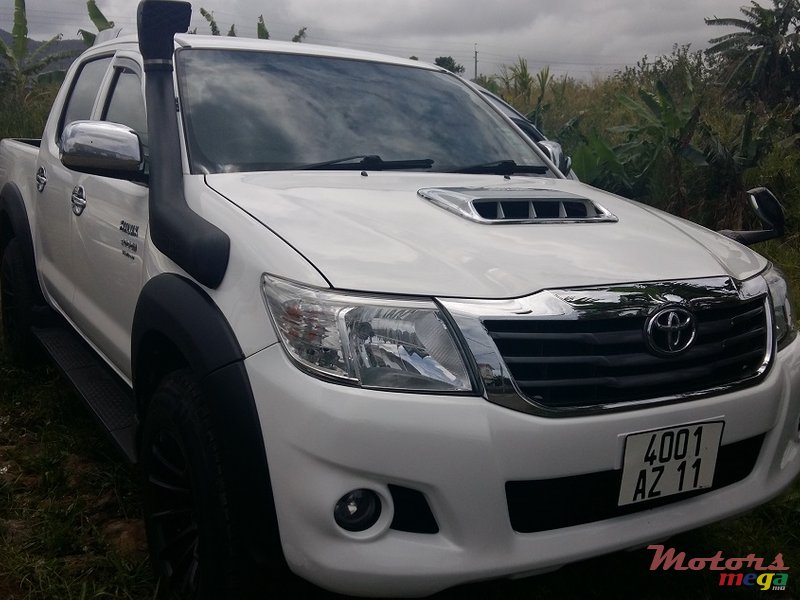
(671, 331)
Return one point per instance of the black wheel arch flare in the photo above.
(14, 223)
(175, 312)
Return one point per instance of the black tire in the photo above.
(185, 502)
(17, 301)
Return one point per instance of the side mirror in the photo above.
(102, 148)
(567, 165)
(769, 210)
(556, 154)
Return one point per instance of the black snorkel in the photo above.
(197, 246)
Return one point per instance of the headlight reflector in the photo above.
(374, 342)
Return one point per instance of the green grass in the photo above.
(69, 508)
(70, 523)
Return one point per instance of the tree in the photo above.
(23, 69)
(261, 29)
(763, 59)
(449, 63)
(212, 22)
(98, 19)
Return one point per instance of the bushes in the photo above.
(26, 116)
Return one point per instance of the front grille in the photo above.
(585, 362)
(546, 504)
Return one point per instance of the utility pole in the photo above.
(476, 63)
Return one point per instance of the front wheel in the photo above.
(185, 502)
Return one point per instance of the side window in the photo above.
(84, 91)
(126, 105)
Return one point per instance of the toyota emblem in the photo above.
(671, 331)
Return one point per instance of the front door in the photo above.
(109, 233)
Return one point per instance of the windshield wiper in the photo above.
(370, 162)
(501, 167)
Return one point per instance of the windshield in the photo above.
(257, 111)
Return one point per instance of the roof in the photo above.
(185, 40)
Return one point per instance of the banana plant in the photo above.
(98, 19)
(664, 127)
(658, 144)
(730, 157)
(760, 59)
(262, 32)
(212, 22)
(300, 35)
(599, 165)
(22, 68)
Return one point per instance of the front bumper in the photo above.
(324, 440)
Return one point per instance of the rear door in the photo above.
(108, 236)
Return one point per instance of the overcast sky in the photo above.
(579, 37)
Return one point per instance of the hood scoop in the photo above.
(515, 205)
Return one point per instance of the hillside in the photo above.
(75, 46)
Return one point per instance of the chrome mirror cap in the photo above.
(101, 147)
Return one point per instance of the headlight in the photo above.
(363, 340)
(784, 318)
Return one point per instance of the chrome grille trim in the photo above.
(746, 302)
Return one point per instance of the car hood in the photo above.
(374, 232)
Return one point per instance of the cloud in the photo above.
(575, 36)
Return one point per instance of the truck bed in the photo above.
(18, 157)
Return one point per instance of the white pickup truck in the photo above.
(345, 315)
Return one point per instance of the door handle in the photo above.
(41, 179)
(78, 200)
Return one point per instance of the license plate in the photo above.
(669, 461)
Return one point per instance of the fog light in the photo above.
(357, 510)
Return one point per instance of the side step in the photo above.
(109, 399)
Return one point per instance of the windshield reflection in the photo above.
(255, 111)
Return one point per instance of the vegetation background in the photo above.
(689, 132)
